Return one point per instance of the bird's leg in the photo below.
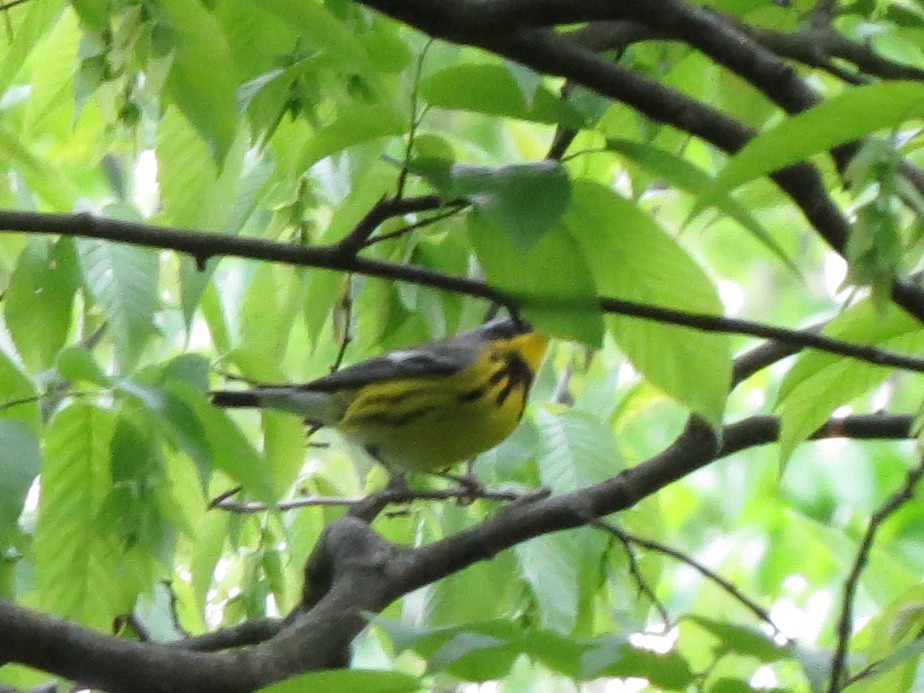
(468, 483)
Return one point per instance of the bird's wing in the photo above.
(437, 360)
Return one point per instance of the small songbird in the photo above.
(424, 408)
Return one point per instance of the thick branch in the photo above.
(354, 571)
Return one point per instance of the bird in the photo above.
(422, 409)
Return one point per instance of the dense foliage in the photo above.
(714, 208)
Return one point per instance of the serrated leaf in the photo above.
(526, 201)
(39, 300)
(552, 272)
(493, 90)
(75, 480)
(183, 426)
(575, 450)
(201, 80)
(818, 382)
(123, 279)
(854, 112)
(20, 459)
(632, 258)
(347, 681)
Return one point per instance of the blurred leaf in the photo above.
(524, 200)
(123, 279)
(842, 118)
(742, 640)
(682, 174)
(492, 90)
(231, 452)
(484, 651)
(357, 123)
(18, 398)
(632, 258)
(552, 272)
(201, 79)
(39, 301)
(818, 383)
(347, 681)
(47, 181)
(77, 363)
(20, 458)
(75, 481)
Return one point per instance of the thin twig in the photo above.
(346, 304)
(636, 573)
(728, 587)
(387, 496)
(454, 208)
(205, 245)
(416, 119)
(845, 622)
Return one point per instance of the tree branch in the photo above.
(208, 245)
(845, 621)
(354, 571)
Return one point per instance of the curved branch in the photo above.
(354, 571)
(208, 245)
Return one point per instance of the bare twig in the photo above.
(845, 622)
(728, 587)
(416, 119)
(634, 570)
(388, 496)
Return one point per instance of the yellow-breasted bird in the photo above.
(424, 408)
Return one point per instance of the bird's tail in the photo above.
(311, 405)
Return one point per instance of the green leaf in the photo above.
(484, 651)
(355, 124)
(124, 281)
(77, 363)
(39, 300)
(575, 450)
(681, 174)
(845, 117)
(46, 180)
(818, 382)
(525, 200)
(20, 459)
(742, 640)
(231, 452)
(75, 480)
(201, 79)
(347, 681)
(321, 30)
(93, 13)
(491, 89)
(184, 428)
(553, 279)
(632, 258)
(17, 394)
